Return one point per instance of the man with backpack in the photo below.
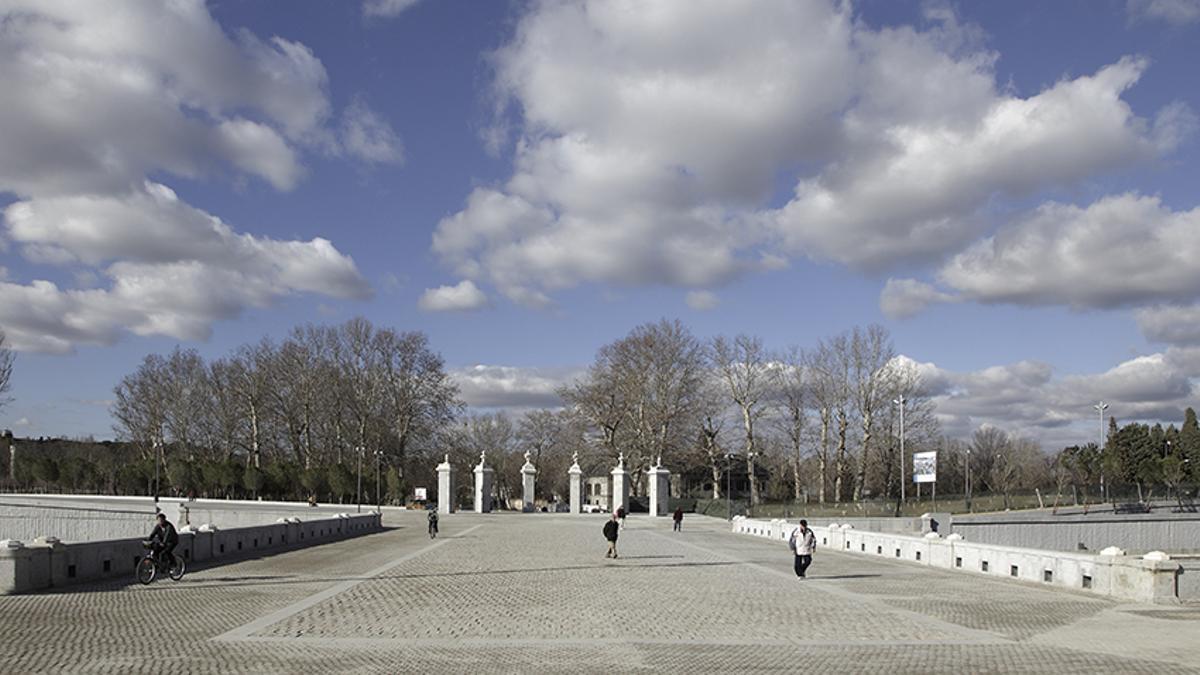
(802, 543)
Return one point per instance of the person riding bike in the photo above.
(164, 539)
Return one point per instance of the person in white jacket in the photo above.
(802, 542)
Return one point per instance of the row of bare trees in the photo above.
(826, 416)
(324, 396)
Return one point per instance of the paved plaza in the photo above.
(534, 593)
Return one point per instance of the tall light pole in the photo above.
(900, 402)
(1100, 408)
(378, 497)
(728, 482)
(968, 479)
(361, 450)
(157, 462)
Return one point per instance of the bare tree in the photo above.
(821, 367)
(6, 368)
(794, 401)
(870, 352)
(747, 371)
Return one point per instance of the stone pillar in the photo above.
(575, 479)
(483, 486)
(527, 476)
(659, 489)
(620, 483)
(445, 487)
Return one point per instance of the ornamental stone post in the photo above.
(575, 479)
(527, 476)
(659, 488)
(483, 485)
(620, 481)
(445, 474)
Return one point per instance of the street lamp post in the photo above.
(968, 480)
(900, 402)
(361, 450)
(1100, 408)
(157, 462)
(728, 482)
(378, 497)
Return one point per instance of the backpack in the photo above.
(792, 542)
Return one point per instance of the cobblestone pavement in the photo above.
(523, 593)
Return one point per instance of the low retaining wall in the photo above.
(1147, 579)
(1172, 532)
(49, 563)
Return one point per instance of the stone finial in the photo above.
(482, 457)
(575, 457)
(659, 464)
(447, 458)
(621, 461)
(526, 456)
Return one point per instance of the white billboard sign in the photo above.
(925, 467)
(420, 495)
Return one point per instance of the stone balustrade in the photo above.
(1152, 578)
(47, 562)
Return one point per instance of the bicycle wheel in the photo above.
(146, 569)
(178, 569)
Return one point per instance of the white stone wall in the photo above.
(1120, 576)
(44, 564)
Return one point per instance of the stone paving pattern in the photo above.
(525, 593)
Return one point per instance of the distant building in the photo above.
(598, 492)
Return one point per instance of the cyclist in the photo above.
(433, 524)
(164, 539)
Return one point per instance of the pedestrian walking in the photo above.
(610, 533)
(802, 542)
(433, 524)
(621, 515)
(678, 517)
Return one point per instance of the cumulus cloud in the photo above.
(1177, 12)
(387, 8)
(903, 298)
(368, 136)
(464, 296)
(649, 143)
(1172, 324)
(172, 269)
(1028, 398)
(513, 388)
(88, 118)
(1121, 251)
(702, 300)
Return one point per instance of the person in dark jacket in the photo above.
(433, 524)
(610, 533)
(164, 538)
(678, 517)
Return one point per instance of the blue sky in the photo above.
(1008, 187)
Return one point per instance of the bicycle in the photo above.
(154, 563)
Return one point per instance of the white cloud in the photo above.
(23, 422)
(1027, 398)
(368, 136)
(1120, 251)
(464, 296)
(702, 300)
(87, 118)
(1171, 324)
(903, 298)
(513, 388)
(171, 270)
(650, 143)
(1178, 12)
(387, 8)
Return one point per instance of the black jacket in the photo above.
(610, 530)
(165, 535)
